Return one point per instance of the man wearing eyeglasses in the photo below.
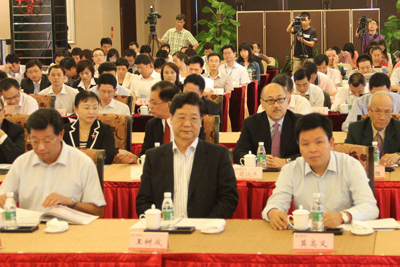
(274, 127)
(17, 102)
(380, 126)
(36, 81)
(53, 173)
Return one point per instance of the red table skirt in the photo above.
(192, 260)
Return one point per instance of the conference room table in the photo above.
(243, 242)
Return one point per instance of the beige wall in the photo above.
(93, 21)
(5, 19)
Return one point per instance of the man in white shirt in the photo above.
(107, 86)
(196, 64)
(297, 103)
(395, 80)
(322, 62)
(53, 173)
(231, 68)
(304, 88)
(14, 68)
(110, 67)
(65, 95)
(320, 79)
(141, 85)
(221, 80)
(356, 88)
(16, 102)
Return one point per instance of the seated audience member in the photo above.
(86, 54)
(322, 62)
(183, 49)
(247, 60)
(371, 45)
(208, 48)
(124, 77)
(385, 54)
(167, 48)
(16, 102)
(190, 53)
(134, 46)
(107, 86)
(145, 50)
(110, 67)
(69, 65)
(356, 88)
(349, 47)
(106, 44)
(75, 53)
(87, 131)
(238, 73)
(306, 89)
(162, 54)
(343, 56)
(297, 103)
(170, 73)
(274, 127)
(199, 174)
(60, 55)
(130, 55)
(378, 82)
(14, 68)
(377, 58)
(159, 63)
(180, 60)
(221, 80)
(395, 80)
(36, 81)
(65, 95)
(85, 70)
(320, 79)
(141, 85)
(380, 126)
(112, 55)
(99, 57)
(38, 177)
(159, 128)
(256, 48)
(335, 175)
(364, 66)
(195, 83)
(3, 75)
(333, 58)
(196, 65)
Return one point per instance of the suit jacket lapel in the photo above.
(159, 131)
(265, 132)
(367, 135)
(286, 132)
(390, 141)
(74, 133)
(166, 168)
(94, 133)
(199, 162)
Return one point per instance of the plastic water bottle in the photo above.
(317, 214)
(250, 71)
(261, 156)
(167, 209)
(376, 153)
(10, 211)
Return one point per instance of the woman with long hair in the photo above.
(247, 59)
(170, 72)
(180, 61)
(349, 47)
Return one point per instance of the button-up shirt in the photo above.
(141, 87)
(315, 95)
(115, 107)
(238, 73)
(221, 81)
(27, 104)
(65, 99)
(177, 40)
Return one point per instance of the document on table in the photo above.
(380, 224)
(198, 223)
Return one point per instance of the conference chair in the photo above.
(364, 154)
(236, 108)
(265, 65)
(223, 107)
(252, 97)
(45, 101)
(272, 74)
(21, 120)
(211, 128)
(327, 99)
(127, 100)
(263, 83)
(97, 155)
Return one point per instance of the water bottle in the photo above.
(317, 214)
(10, 211)
(261, 156)
(376, 153)
(167, 209)
(250, 71)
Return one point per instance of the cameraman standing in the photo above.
(371, 35)
(178, 37)
(305, 41)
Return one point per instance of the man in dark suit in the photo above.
(199, 175)
(379, 127)
(36, 81)
(12, 138)
(262, 127)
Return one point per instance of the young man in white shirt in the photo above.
(196, 64)
(107, 86)
(304, 88)
(16, 102)
(14, 68)
(322, 62)
(65, 95)
(110, 67)
(141, 85)
(231, 68)
(320, 79)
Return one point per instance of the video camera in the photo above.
(296, 25)
(152, 19)
(363, 23)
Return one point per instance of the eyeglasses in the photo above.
(380, 113)
(106, 92)
(36, 142)
(33, 71)
(181, 119)
(11, 98)
(271, 101)
(156, 104)
(98, 55)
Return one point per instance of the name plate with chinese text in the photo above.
(379, 172)
(248, 173)
(313, 242)
(320, 110)
(142, 101)
(140, 241)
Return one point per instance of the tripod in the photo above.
(302, 45)
(153, 40)
(362, 32)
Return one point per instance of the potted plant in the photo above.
(391, 32)
(222, 27)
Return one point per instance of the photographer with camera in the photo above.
(178, 37)
(368, 36)
(306, 37)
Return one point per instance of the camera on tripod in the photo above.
(152, 19)
(363, 23)
(296, 25)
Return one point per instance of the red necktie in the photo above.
(167, 134)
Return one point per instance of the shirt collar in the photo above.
(271, 122)
(111, 104)
(62, 92)
(21, 99)
(332, 165)
(192, 146)
(375, 131)
(208, 75)
(62, 158)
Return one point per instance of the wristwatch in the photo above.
(73, 205)
(345, 218)
(288, 160)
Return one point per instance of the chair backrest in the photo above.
(272, 74)
(127, 100)
(327, 99)
(236, 108)
(252, 95)
(97, 155)
(265, 65)
(211, 128)
(122, 126)
(45, 101)
(21, 120)
(219, 99)
(364, 154)
(263, 83)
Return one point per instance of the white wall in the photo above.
(5, 31)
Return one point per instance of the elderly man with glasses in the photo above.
(274, 127)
